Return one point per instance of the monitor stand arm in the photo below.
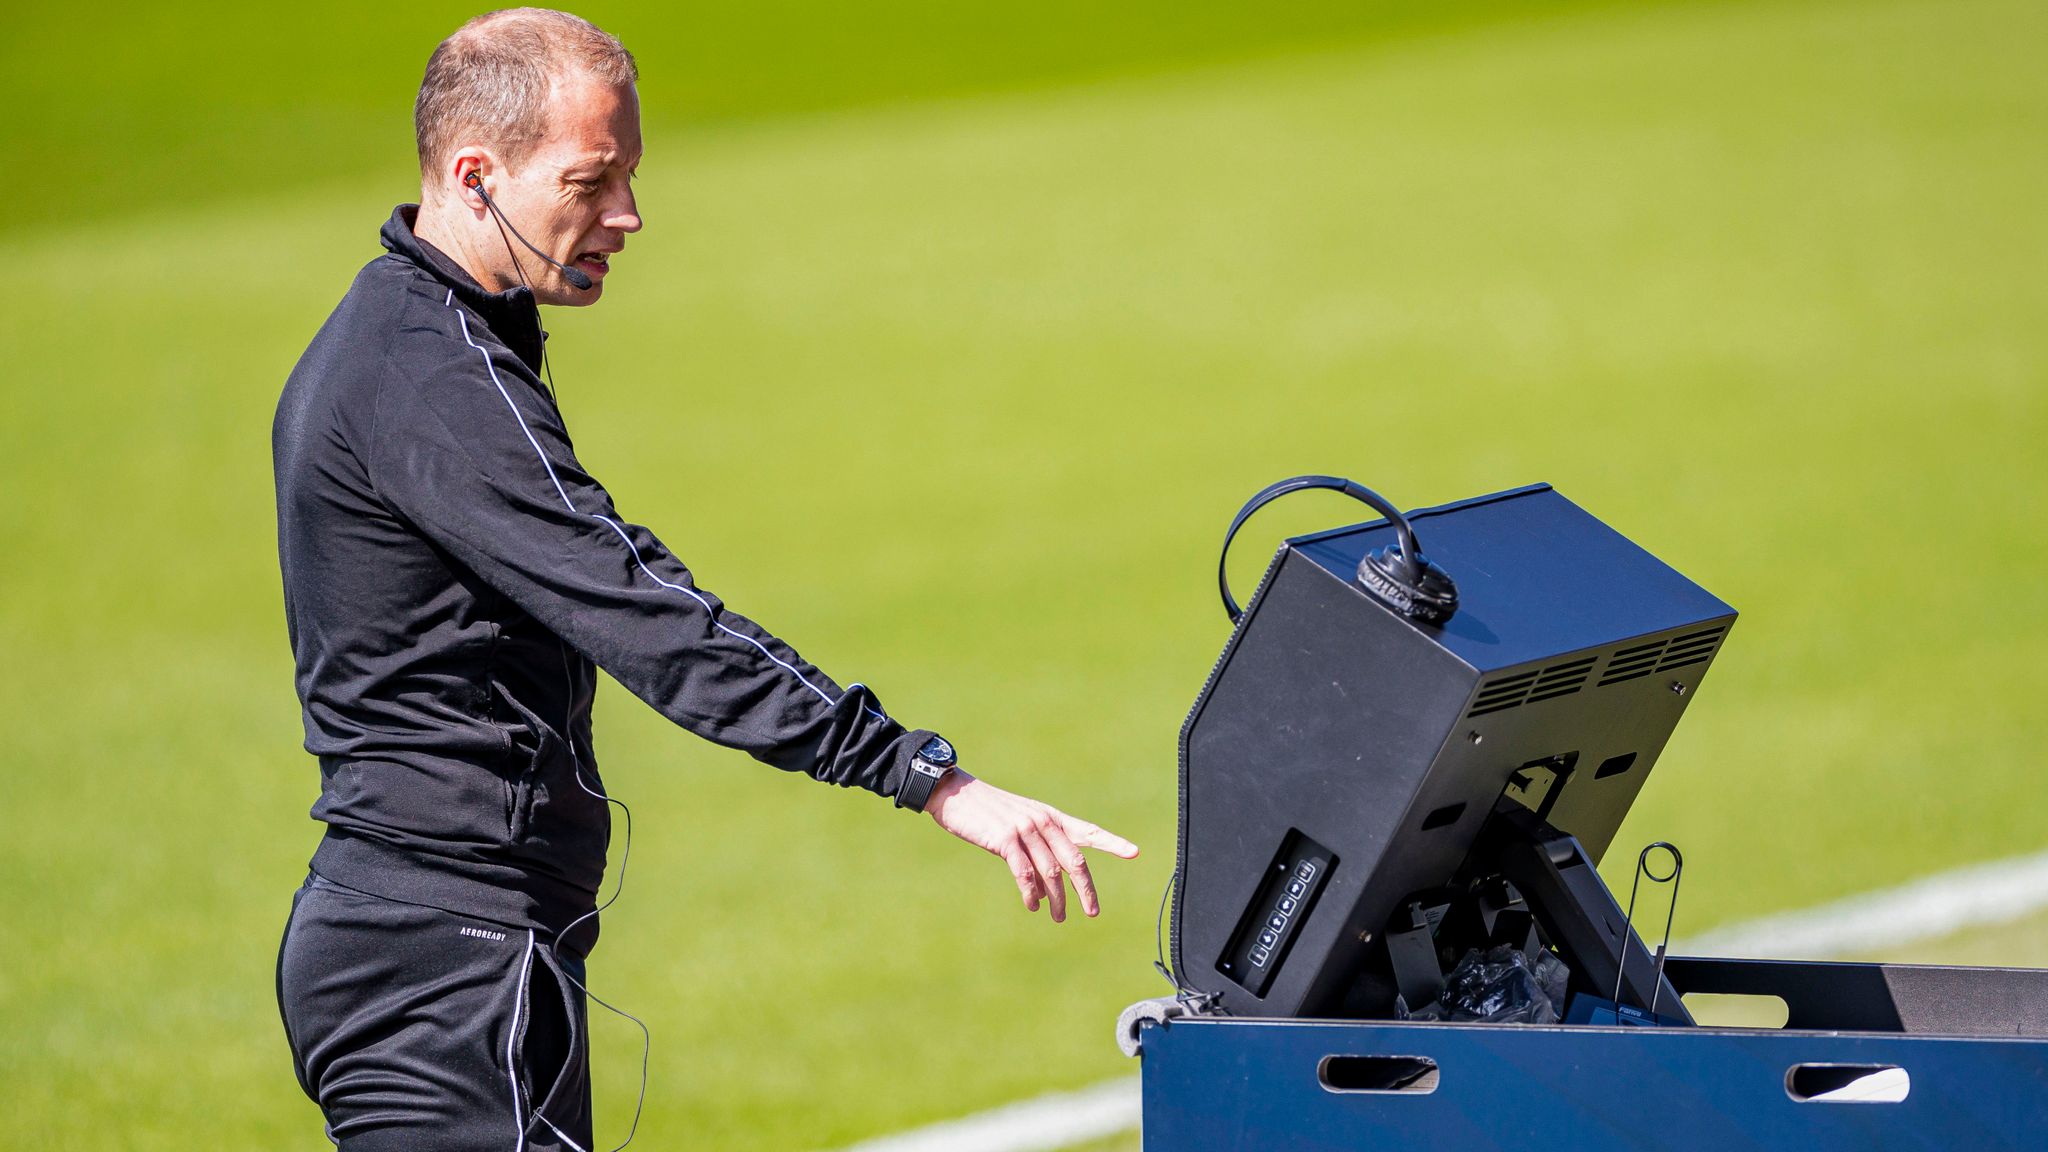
(1576, 912)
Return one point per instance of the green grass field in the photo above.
(1758, 283)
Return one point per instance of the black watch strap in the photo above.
(928, 765)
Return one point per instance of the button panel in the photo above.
(1277, 913)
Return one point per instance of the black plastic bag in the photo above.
(1497, 986)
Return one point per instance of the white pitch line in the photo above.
(1925, 909)
(1060, 1120)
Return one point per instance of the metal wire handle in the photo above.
(1628, 922)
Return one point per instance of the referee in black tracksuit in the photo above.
(453, 577)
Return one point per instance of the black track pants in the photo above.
(420, 1030)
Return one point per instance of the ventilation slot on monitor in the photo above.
(1663, 655)
(1615, 765)
(1691, 648)
(1505, 692)
(1448, 814)
(1560, 679)
(1629, 663)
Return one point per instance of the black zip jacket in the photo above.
(451, 575)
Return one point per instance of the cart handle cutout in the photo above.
(1847, 1083)
(1416, 1075)
(1737, 1009)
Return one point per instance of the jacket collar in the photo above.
(511, 315)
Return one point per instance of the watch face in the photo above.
(937, 751)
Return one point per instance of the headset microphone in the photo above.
(576, 277)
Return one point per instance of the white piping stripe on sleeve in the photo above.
(511, 1046)
(631, 548)
(552, 478)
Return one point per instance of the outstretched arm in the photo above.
(473, 454)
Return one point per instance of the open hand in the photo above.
(1040, 843)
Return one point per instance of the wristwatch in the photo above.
(928, 765)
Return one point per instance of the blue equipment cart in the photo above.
(1405, 768)
(1966, 1041)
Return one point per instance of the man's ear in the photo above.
(468, 162)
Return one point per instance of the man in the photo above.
(453, 577)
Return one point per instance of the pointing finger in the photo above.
(1089, 836)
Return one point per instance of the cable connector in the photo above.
(1399, 575)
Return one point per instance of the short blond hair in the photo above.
(489, 82)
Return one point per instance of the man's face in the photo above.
(573, 197)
